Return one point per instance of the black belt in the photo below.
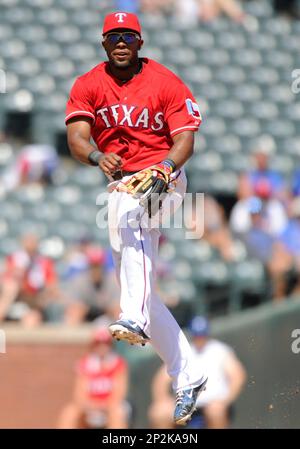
(120, 173)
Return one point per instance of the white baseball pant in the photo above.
(135, 249)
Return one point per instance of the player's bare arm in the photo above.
(79, 135)
(182, 149)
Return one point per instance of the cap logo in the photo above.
(120, 16)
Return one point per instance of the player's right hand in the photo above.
(110, 163)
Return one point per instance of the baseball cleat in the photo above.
(186, 403)
(129, 331)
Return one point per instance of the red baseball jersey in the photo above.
(101, 377)
(138, 118)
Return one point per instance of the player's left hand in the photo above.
(149, 185)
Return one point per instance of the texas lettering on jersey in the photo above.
(124, 115)
(136, 119)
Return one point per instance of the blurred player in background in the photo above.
(226, 378)
(101, 385)
(142, 118)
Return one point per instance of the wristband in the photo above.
(94, 158)
(170, 163)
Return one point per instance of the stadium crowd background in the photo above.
(239, 60)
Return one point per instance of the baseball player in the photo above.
(142, 119)
(100, 390)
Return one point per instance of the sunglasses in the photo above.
(127, 37)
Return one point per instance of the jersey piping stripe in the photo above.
(183, 127)
(145, 278)
(80, 113)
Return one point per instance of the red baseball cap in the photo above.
(121, 20)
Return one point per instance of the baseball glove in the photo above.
(150, 185)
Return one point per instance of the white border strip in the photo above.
(80, 113)
(191, 127)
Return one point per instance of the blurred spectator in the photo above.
(258, 238)
(112, 313)
(287, 7)
(88, 293)
(162, 404)
(211, 225)
(273, 212)
(261, 244)
(226, 377)
(156, 6)
(3, 137)
(262, 181)
(295, 191)
(101, 385)
(132, 6)
(291, 234)
(29, 285)
(290, 241)
(192, 11)
(75, 259)
(34, 163)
